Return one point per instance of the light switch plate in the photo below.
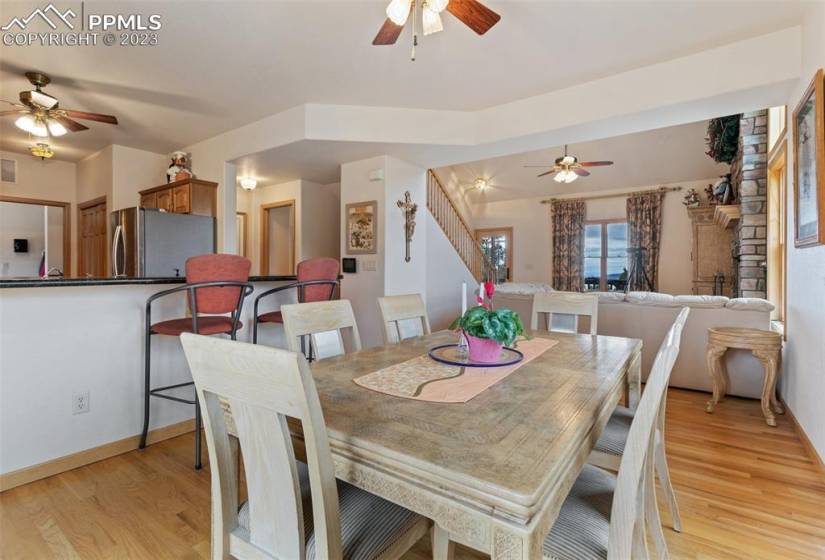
(368, 265)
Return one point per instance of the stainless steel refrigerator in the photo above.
(148, 243)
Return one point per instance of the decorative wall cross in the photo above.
(409, 208)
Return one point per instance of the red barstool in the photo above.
(317, 281)
(217, 285)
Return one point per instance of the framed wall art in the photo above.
(809, 165)
(362, 228)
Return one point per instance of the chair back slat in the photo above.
(404, 317)
(324, 322)
(565, 303)
(263, 386)
(627, 521)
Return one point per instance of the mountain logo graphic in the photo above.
(43, 14)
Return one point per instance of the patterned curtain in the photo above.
(568, 244)
(644, 225)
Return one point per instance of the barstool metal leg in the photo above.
(254, 331)
(147, 348)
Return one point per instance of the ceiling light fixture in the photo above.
(398, 11)
(33, 124)
(480, 184)
(248, 183)
(55, 128)
(565, 176)
(41, 150)
(430, 20)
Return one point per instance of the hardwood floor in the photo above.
(746, 491)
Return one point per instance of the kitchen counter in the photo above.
(61, 282)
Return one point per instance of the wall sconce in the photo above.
(248, 183)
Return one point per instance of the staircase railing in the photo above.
(455, 228)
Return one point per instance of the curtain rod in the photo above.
(615, 195)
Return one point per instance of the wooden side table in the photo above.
(766, 346)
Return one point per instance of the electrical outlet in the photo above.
(80, 402)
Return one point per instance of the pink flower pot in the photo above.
(484, 350)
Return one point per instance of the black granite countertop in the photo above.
(60, 282)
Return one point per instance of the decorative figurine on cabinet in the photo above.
(179, 168)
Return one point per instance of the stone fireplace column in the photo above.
(750, 175)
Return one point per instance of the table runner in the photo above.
(424, 379)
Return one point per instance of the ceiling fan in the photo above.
(472, 13)
(568, 168)
(41, 114)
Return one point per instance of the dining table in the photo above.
(491, 472)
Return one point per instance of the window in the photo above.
(605, 256)
(775, 261)
(497, 246)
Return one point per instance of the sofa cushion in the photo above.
(523, 288)
(610, 297)
(651, 298)
(750, 304)
(709, 302)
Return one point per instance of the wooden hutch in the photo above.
(711, 250)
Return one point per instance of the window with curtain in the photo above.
(605, 256)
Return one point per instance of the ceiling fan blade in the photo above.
(109, 119)
(554, 170)
(594, 163)
(13, 112)
(474, 15)
(74, 126)
(581, 172)
(388, 34)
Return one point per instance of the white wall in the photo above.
(320, 220)
(134, 170)
(21, 221)
(532, 234)
(363, 287)
(95, 176)
(803, 378)
(45, 180)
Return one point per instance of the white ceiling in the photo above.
(666, 155)
(223, 64)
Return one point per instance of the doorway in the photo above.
(36, 237)
(497, 246)
(92, 239)
(278, 238)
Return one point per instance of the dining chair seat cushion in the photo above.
(206, 325)
(271, 317)
(614, 435)
(582, 528)
(369, 524)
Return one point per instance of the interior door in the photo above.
(92, 239)
(497, 246)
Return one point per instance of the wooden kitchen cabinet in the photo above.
(189, 196)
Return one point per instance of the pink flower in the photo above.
(489, 289)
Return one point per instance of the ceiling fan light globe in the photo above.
(25, 123)
(559, 177)
(570, 177)
(44, 100)
(56, 129)
(438, 6)
(398, 11)
(430, 21)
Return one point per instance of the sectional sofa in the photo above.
(648, 315)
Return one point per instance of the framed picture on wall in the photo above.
(809, 165)
(362, 228)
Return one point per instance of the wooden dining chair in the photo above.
(404, 317)
(604, 515)
(610, 447)
(565, 303)
(294, 509)
(322, 322)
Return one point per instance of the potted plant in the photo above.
(489, 330)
